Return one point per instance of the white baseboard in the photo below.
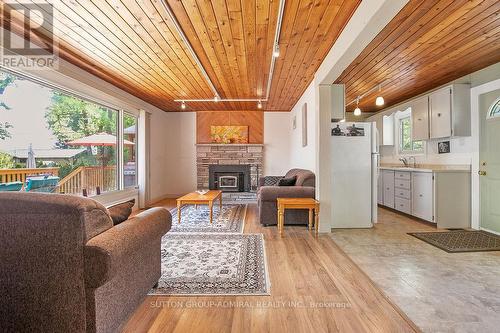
(491, 231)
(165, 196)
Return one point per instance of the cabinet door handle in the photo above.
(419, 119)
(439, 114)
(421, 195)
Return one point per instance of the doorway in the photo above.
(489, 160)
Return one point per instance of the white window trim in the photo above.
(489, 114)
(399, 115)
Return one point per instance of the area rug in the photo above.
(213, 264)
(230, 220)
(461, 240)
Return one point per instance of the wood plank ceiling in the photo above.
(427, 44)
(135, 46)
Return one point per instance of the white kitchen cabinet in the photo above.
(388, 133)
(388, 181)
(385, 127)
(420, 119)
(423, 195)
(449, 111)
(440, 113)
(380, 188)
(439, 197)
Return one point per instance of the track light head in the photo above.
(380, 100)
(276, 52)
(183, 105)
(357, 110)
(216, 98)
(259, 104)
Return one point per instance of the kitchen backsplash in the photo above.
(460, 153)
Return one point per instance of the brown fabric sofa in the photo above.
(269, 191)
(65, 268)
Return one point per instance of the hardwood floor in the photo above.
(315, 287)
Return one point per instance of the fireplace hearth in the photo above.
(229, 178)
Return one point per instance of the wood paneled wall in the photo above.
(253, 119)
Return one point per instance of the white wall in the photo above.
(173, 154)
(277, 128)
(304, 157)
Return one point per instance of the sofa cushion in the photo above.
(121, 211)
(287, 181)
(304, 177)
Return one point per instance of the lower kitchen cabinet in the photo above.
(439, 197)
(423, 195)
(388, 183)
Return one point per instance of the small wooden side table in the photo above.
(298, 203)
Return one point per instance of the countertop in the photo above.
(428, 168)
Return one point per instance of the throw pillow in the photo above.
(121, 211)
(288, 181)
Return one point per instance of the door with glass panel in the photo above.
(489, 157)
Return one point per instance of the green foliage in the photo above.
(71, 118)
(406, 144)
(6, 161)
(4, 133)
(5, 81)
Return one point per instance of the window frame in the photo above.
(400, 117)
(493, 106)
(119, 130)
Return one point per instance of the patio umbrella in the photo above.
(99, 140)
(30, 161)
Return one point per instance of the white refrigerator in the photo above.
(354, 174)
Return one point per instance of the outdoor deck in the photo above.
(87, 178)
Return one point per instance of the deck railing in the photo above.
(89, 178)
(19, 175)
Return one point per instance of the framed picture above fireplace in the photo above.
(229, 134)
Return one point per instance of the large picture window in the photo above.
(55, 141)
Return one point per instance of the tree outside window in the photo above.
(406, 144)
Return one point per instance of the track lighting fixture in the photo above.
(380, 100)
(357, 110)
(259, 104)
(276, 52)
(183, 105)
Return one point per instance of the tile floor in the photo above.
(439, 291)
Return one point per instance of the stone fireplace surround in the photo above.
(229, 154)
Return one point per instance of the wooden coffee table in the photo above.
(195, 198)
(298, 203)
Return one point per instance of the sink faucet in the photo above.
(404, 160)
(414, 161)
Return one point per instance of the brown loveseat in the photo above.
(64, 267)
(269, 191)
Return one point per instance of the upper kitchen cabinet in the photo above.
(420, 118)
(449, 111)
(385, 127)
